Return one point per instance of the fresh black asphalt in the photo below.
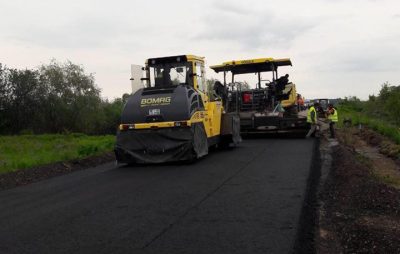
(242, 200)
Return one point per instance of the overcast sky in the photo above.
(338, 47)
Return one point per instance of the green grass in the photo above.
(25, 151)
(381, 126)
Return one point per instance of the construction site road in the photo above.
(243, 200)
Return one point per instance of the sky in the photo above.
(338, 47)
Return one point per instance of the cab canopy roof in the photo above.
(252, 65)
(174, 59)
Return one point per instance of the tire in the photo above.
(199, 143)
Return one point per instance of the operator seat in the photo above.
(220, 90)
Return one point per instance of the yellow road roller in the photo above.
(173, 117)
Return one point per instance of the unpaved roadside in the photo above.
(359, 211)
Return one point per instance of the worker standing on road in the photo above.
(332, 115)
(312, 119)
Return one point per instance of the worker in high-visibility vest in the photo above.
(312, 119)
(332, 115)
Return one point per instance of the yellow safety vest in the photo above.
(311, 109)
(333, 117)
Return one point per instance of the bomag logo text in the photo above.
(155, 101)
(247, 61)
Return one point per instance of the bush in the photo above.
(362, 115)
(26, 132)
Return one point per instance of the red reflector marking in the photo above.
(247, 98)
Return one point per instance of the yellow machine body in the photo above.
(172, 118)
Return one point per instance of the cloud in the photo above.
(250, 29)
(232, 7)
(81, 32)
(380, 54)
(329, 41)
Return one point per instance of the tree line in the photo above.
(55, 98)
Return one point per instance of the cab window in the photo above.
(171, 74)
(200, 77)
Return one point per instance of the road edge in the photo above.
(304, 242)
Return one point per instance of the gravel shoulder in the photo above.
(359, 208)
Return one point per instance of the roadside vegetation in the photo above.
(381, 113)
(55, 98)
(26, 151)
(42, 108)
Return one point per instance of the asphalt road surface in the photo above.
(243, 200)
